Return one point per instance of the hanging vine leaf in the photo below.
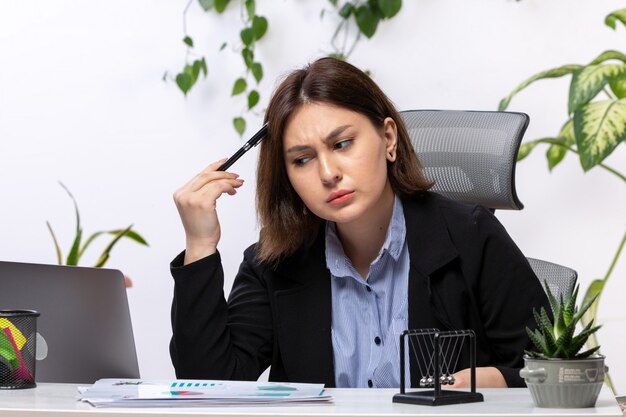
(346, 10)
(259, 26)
(183, 81)
(188, 41)
(220, 5)
(253, 99)
(250, 7)
(247, 36)
(599, 127)
(206, 4)
(248, 56)
(389, 8)
(240, 125)
(617, 15)
(366, 20)
(239, 86)
(257, 71)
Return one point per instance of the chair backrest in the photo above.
(560, 279)
(471, 155)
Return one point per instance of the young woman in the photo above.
(353, 249)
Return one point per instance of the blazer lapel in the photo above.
(430, 248)
(303, 300)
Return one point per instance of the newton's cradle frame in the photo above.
(440, 352)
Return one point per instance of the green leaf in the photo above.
(247, 37)
(250, 7)
(239, 86)
(240, 125)
(130, 234)
(184, 82)
(253, 99)
(346, 10)
(88, 242)
(587, 353)
(366, 20)
(589, 81)
(551, 73)
(106, 253)
(201, 63)
(617, 15)
(56, 244)
(333, 2)
(72, 257)
(389, 8)
(594, 290)
(76, 213)
(606, 55)
(525, 149)
(599, 127)
(257, 71)
(619, 88)
(223, 45)
(248, 56)
(188, 41)
(206, 4)
(259, 27)
(555, 155)
(220, 5)
(557, 151)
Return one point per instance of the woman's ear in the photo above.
(390, 135)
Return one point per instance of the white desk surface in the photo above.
(56, 400)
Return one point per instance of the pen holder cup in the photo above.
(18, 337)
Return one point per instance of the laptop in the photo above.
(84, 323)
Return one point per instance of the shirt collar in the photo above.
(339, 264)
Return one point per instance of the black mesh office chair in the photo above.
(471, 156)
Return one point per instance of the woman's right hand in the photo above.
(196, 204)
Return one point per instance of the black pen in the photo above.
(254, 140)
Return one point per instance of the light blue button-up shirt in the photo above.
(369, 314)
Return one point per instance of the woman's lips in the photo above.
(339, 197)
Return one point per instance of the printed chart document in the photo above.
(198, 393)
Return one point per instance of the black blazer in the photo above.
(465, 273)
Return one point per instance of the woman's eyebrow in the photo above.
(331, 137)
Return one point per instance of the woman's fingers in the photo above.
(196, 204)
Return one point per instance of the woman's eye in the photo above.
(301, 161)
(342, 144)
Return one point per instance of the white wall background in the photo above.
(82, 101)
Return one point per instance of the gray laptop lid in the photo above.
(84, 320)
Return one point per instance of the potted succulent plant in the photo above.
(558, 374)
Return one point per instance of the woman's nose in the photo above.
(330, 172)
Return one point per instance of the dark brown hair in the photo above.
(286, 224)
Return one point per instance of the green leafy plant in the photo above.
(78, 247)
(366, 14)
(556, 338)
(594, 128)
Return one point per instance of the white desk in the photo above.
(56, 400)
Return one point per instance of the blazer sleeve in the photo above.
(213, 339)
(508, 291)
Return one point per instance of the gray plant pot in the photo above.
(564, 383)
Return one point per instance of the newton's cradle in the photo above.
(437, 354)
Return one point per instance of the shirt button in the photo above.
(369, 289)
(370, 383)
(377, 340)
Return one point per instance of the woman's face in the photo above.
(337, 161)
